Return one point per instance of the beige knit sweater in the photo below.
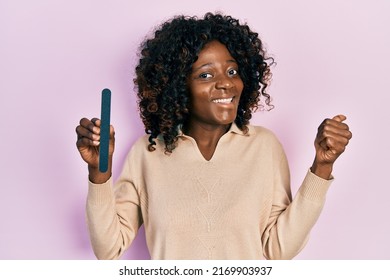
(236, 206)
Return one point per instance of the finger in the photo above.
(334, 143)
(337, 128)
(112, 132)
(86, 133)
(96, 122)
(323, 144)
(330, 146)
(93, 125)
(339, 118)
(84, 142)
(334, 136)
(335, 122)
(333, 125)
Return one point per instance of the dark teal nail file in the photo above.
(104, 130)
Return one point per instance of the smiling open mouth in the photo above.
(223, 100)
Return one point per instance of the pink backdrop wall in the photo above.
(56, 57)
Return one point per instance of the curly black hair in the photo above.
(166, 61)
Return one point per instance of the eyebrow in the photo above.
(209, 64)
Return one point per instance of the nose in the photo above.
(224, 83)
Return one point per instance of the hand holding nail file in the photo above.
(104, 130)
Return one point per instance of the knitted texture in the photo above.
(238, 205)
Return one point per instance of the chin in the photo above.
(226, 121)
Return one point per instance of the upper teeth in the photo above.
(223, 100)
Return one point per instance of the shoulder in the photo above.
(256, 131)
(140, 149)
(139, 157)
(141, 143)
(263, 138)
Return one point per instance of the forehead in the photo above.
(214, 51)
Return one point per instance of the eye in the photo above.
(232, 72)
(205, 76)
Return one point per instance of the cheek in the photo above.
(198, 99)
(240, 86)
(199, 94)
(201, 104)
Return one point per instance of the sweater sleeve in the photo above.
(113, 215)
(291, 221)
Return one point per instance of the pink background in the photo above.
(56, 56)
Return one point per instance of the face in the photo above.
(215, 86)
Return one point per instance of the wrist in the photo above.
(322, 170)
(97, 177)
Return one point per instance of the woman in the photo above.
(205, 183)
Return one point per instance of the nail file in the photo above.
(104, 130)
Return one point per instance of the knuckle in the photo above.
(90, 126)
(327, 121)
(86, 141)
(83, 121)
(324, 125)
(330, 142)
(327, 128)
(326, 134)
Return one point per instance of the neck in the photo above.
(206, 136)
(204, 132)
